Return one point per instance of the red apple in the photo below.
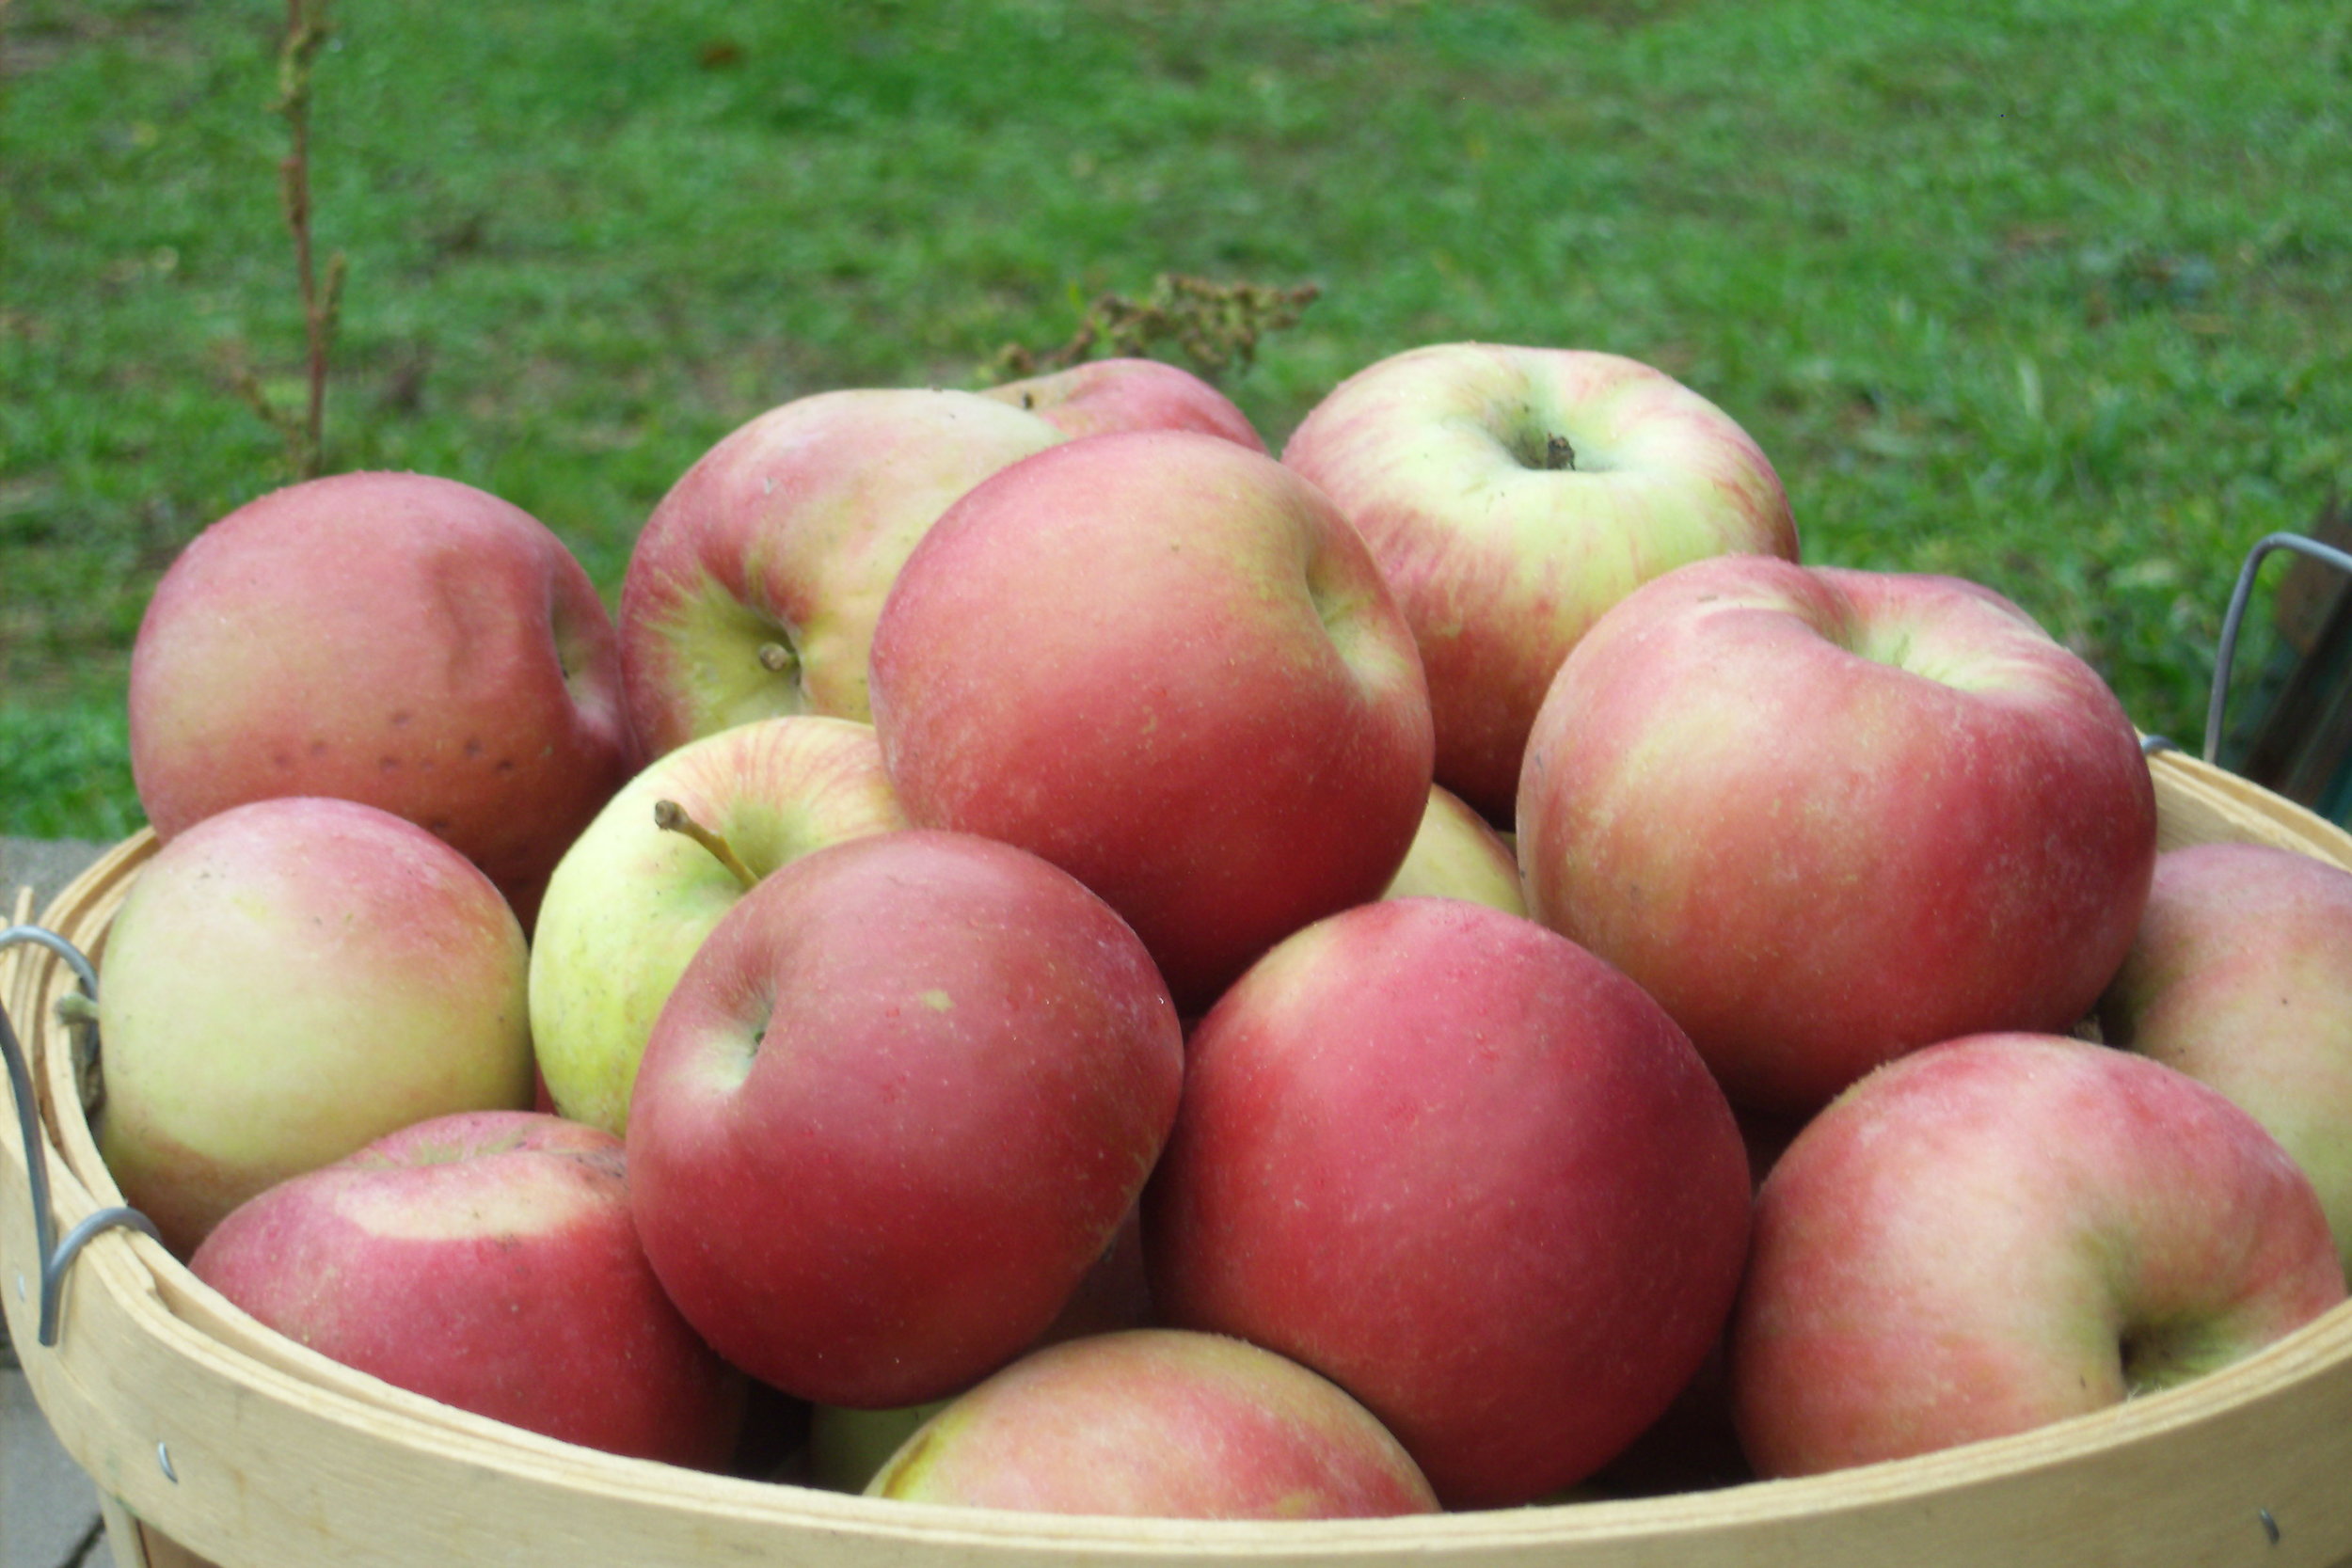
(1169, 666)
(488, 1261)
(1105, 395)
(2241, 977)
(288, 981)
(1156, 1423)
(632, 900)
(895, 1110)
(1511, 495)
(402, 641)
(2002, 1232)
(1828, 816)
(753, 587)
(1467, 1171)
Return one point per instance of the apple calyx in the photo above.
(671, 817)
(1544, 451)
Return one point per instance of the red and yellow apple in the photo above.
(894, 1112)
(1158, 1423)
(753, 587)
(1102, 396)
(1826, 816)
(2002, 1232)
(1169, 666)
(1467, 1171)
(289, 981)
(1511, 495)
(395, 639)
(486, 1261)
(2241, 977)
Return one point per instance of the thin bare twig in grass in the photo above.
(1216, 325)
(304, 431)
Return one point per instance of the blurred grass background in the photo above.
(2048, 292)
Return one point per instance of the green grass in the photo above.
(2050, 295)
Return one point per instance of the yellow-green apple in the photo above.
(1168, 665)
(637, 891)
(403, 641)
(1511, 495)
(2241, 977)
(1159, 1423)
(486, 1261)
(753, 589)
(894, 1111)
(2001, 1231)
(1827, 817)
(1468, 1172)
(288, 981)
(1456, 855)
(1105, 395)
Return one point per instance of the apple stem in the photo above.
(671, 817)
(775, 656)
(1558, 454)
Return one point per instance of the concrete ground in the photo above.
(48, 1509)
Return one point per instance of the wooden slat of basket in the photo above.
(286, 1459)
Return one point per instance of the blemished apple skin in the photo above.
(2002, 1232)
(1102, 396)
(487, 1261)
(395, 639)
(915, 1083)
(1826, 816)
(632, 901)
(2241, 977)
(784, 538)
(1457, 855)
(1503, 547)
(1169, 666)
(287, 981)
(1467, 1171)
(1159, 1423)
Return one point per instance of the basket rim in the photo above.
(142, 1280)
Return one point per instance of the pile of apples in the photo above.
(1166, 980)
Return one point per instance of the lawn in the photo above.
(2047, 292)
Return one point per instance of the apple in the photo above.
(752, 588)
(486, 1261)
(1169, 666)
(1467, 1171)
(846, 1446)
(894, 1112)
(395, 639)
(632, 901)
(1511, 495)
(1456, 855)
(2005, 1230)
(2241, 977)
(287, 981)
(1102, 396)
(1826, 816)
(1158, 1423)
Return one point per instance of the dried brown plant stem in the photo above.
(304, 433)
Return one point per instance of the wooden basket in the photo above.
(259, 1454)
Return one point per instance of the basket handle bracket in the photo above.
(56, 1255)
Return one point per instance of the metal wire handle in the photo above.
(2235, 617)
(56, 1255)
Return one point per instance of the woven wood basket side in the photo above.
(258, 1454)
